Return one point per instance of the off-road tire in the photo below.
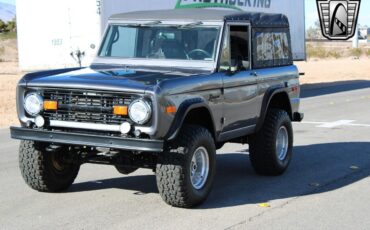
(173, 168)
(38, 171)
(262, 145)
(125, 169)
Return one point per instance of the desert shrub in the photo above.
(367, 52)
(8, 35)
(356, 52)
(334, 54)
(316, 51)
(2, 25)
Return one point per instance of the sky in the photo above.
(312, 13)
(8, 1)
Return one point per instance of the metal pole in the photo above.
(355, 38)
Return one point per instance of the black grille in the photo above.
(89, 107)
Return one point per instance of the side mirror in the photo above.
(228, 70)
(236, 65)
(234, 69)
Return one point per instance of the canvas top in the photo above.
(256, 19)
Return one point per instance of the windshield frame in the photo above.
(210, 65)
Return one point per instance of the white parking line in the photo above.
(334, 124)
(360, 125)
(313, 122)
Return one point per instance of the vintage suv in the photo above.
(166, 89)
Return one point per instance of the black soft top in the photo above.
(256, 19)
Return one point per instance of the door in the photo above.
(240, 108)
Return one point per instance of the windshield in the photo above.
(161, 42)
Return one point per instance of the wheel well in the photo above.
(201, 117)
(281, 101)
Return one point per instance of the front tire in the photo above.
(186, 171)
(270, 150)
(43, 170)
(125, 170)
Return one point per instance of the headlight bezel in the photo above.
(148, 113)
(40, 105)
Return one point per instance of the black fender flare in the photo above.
(183, 110)
(270, 93)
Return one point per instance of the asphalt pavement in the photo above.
(326, 187)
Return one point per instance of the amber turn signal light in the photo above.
(120, 110)
(50, 105)
(171, 109)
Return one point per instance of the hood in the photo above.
(125, 80)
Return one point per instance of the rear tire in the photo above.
(43, 170)
(186, 171)
(270, 150)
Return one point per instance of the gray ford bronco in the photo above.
(167, 88)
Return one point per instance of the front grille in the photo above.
(86, 106)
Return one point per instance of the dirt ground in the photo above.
(335, 70)
(8, 82)
(316, 71)
(9, 76)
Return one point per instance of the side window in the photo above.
(235, 48)
(264, 47)
(239, 43)
(271, 48)
(120, 44)
(123, 47)
(281, 46)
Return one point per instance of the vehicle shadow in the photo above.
(142, 184)
(319, 89)
(314, 169)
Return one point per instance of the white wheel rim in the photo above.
(199, 168)
(282, 143)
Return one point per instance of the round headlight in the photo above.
(140, 111)
(33, 104)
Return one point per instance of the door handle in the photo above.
(214, 96)
(254, 73)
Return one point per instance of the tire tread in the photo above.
(262, 144)
(171, 167)
(33, 165)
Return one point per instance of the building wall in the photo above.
(49, 30)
